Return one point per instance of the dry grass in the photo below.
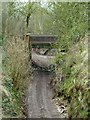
(17, 64)
(18, 61)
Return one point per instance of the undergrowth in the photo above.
(72, 81)
(16, 69)
(10, 100)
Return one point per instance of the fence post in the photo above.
(29, 46)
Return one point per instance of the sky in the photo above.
(33, 0)
(43, 2)
(23, 0)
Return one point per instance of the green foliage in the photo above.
(70, 21)
(74, 88)
(10, 101)
(71, 24)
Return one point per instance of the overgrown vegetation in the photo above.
(72, 66)
(10, 100)
(16, 78)
(68, 20)
(73, 86)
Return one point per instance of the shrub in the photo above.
(74, 87)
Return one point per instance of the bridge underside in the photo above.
(42, 41)
(42, 45)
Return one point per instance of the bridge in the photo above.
(41, 41)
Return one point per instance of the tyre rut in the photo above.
(40, 103)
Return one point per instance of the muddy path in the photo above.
(40, 104)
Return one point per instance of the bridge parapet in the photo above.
(44, 40)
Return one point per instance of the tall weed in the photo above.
(73, 87)
(17, 66)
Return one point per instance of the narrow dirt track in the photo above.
(40, 104)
